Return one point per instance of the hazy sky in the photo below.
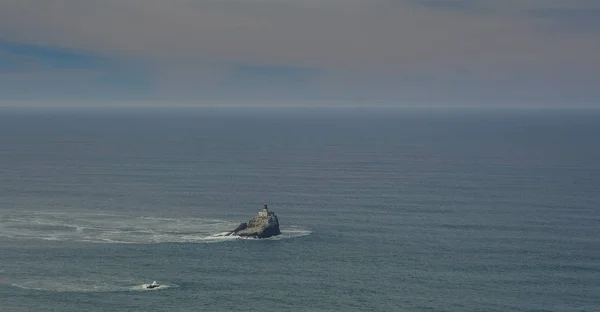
(408, 52)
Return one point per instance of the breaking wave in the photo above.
(121, 229)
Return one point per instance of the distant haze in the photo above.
(392, 52)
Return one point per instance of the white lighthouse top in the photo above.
(265, 212)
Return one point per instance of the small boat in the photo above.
(153, 285)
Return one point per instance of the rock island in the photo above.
(264, 225)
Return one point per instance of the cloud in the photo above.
(569, 19)
(449, 5)
(36, 72)
(327, 33)
(327, 48)
(28, 55)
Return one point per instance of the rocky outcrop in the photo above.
(265, 224)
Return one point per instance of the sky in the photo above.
(389, 52)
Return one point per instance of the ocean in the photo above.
(380, 209)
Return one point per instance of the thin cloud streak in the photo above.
(576, 20)
(450, 5)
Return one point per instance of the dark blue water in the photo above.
(397, 210)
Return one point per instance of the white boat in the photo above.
(153, 285)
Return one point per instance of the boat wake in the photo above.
(121, 229)
(152, 286)
(77, 286)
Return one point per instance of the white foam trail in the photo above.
(291, 233)
(121, 229)
(74, 286)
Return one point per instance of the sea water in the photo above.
(380, 210)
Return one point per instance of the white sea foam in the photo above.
(291, 232)
(121, 229)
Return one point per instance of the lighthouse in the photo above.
(264, 212)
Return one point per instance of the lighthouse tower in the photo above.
(264, 212)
